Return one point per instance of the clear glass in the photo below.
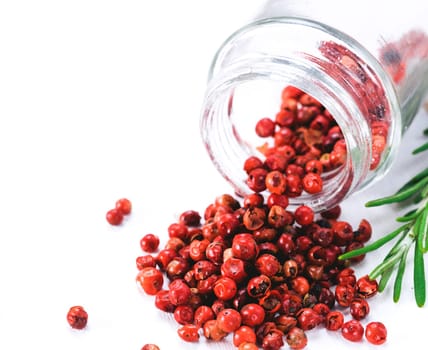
(366, 65)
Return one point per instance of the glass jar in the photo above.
(365, 62)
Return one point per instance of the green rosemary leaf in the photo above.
(422, 228)
(384, 279)
(421, 175)
(420, 149)
(424, 192)
(399, 196)
(385, 265)
(409, 216)
(375, 245)
(419, 276)
(400, 273)
(416, 227)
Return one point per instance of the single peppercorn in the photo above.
(114, 217)
(183, 314)
(150, 279)
(77, 317)
(265, 127)
(304, 215)
(312, 183)
(229, 320)
(188, 333)
(150, 347)
(296, 338)
(334, 320)
(376, 333)
(252, 314)
(124, 205)
(149, 243)
(353, 330)
(359, 308)
(244, 334)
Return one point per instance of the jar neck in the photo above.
(323, 62)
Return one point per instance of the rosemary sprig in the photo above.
(414, 232)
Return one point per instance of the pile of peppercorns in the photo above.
(250, 266)
(255, 269)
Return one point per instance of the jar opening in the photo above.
(340, 91)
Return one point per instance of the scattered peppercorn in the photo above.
(149, 243)
(114, 217)
(77, 317)
(122, 208)
(376, 333)
(150, 347)
(124, 205)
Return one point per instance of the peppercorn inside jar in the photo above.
(295, 93)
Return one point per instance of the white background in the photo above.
(100, 100)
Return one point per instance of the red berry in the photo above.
(291, 92)
(234, 268)
(359, 308)
(296, 338)
(276, 182)
(229, 320)
(114, 217)
(124, 205)
(308, 318)
(304, 215)
(344, 294)
(364, 231)
(366, 288)
(225, 288)
(353, 330)
(276, 199)
(258, 286)
(77, 317)
(179, 292)
(256, 180)
(183, 314)
(244, 246)
(312, 183)
(145, 261)
(150, 279)
(189, 333)
(162, 301)
(294, 186)
(244, 334)
(150, 347)
(376, 333)
(334, 320)
(252, 314)
(190, 218)
(252, 163)
(149, 243)
(202, 314)
(267, 264)
(300, 285)
(265, 127)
